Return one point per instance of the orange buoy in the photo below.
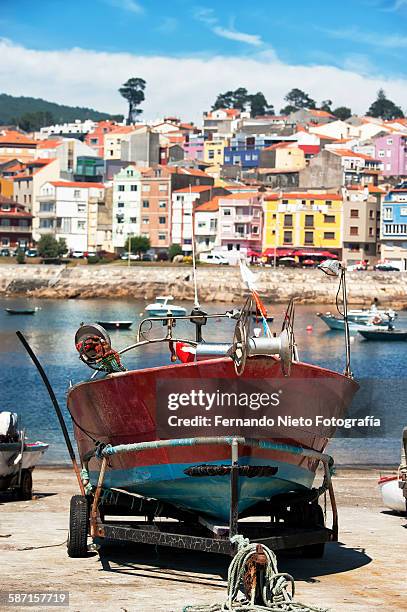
(309, 328)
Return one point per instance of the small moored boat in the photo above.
(386, 335)
(162, 307)
(364, 315)
(392, 494)
(21, 311)
(116, 324)
(338, 323)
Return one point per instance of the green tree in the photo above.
(342, 112)
(326, 105)
(384, 108)
(239, 98)
(297, 99)
(48, 247)
(175, 249)
(133, 91)
(62, 246)
(137, 244)
(259, 105)
(30, 122)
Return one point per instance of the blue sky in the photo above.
(367, 38)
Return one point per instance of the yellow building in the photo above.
(311, 222)
(6, 187)
(214, 151)
(283, 155)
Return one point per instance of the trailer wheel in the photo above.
(25, 490)
(78, 527)
(317, 519)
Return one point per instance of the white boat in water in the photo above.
(365, 315)
(162, 307)
(392, 494)
(18, 457)
(338, 323)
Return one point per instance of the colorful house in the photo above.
(391, 149)
(308, 223)
(393, 231)
(15, 224)
(240, 222)
(214, 151)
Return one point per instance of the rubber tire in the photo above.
(25, 490)
(77, 544)
(316, 551)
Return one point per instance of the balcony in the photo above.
(15, 229)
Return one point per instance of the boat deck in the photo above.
(359, 573)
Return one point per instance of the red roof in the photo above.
(193, 189)
(241, 196)
(310, 149)
(349, 153)
(211, 206)
(77, 184)
(13, 137)
(49, 144)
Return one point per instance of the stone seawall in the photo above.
(221, 284)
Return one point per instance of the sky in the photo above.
(80, 52)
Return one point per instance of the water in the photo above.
(51, 334)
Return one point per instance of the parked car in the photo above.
(132, 256)
(356, 268)
(31, 253)
(77, 254)
(90, 254)
(386, 267)
(5, 253)
(214, 258)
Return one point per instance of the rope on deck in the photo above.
(273, 586)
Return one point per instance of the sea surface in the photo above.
(51, 331)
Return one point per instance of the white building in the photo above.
(66, 150)
(126, 205)
(76, 127)
(67, 210)
(206, 225)
(183, 203)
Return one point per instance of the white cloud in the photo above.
(250, 39)
(130, 6)
(207, 16)
(389, 41)
(178, 86)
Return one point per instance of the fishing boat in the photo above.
(18, 457)
(392, 494)
(21, 311)
(162, 307)
(384, 335)
(366, 315)
(338, 323)
(116, 324)
(122, 410)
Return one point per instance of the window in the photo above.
(370, 231)
(6, 207)
(309, 238)
(162, 204)
(390, 141)
(161, 236)
(23, 223)
(354, 231)
(162, 188)
(303, 202)
(81, 224)
(81, 208)
(288, 220)
(240, 229)
(133, 187)
(328, 203)
(371, 214)
(46, 223)
(255, 229)
(381, 153)
(354, 213)
(329, 235)
(288, 237)
(388, 213)
(145, 220)
(162, 220)
(5, 242)
(388, 153)
(76, 193)
(211, 154)
(157, 172)
(309, 220)
(226, 212)
(285, 201)
(388, 166)
(47, 207)
(133, 219)
(5, 222)
(329, 218)
(120, 204)
(146, 204)
(93, 141)
(120, 188)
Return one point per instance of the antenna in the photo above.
(196, 301)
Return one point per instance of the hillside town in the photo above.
(276, 189)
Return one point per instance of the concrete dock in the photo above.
(365, 571)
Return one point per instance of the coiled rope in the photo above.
(273, 586)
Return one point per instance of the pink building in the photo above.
(391, 150)
(194, 146)
(240, 222)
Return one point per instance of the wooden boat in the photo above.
(116, 324)
(338, 324)
(18, 458)
(365, 315)
(384, 335)
(21, 311)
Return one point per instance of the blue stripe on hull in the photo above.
(207, 494)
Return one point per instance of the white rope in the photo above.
(273, 586)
